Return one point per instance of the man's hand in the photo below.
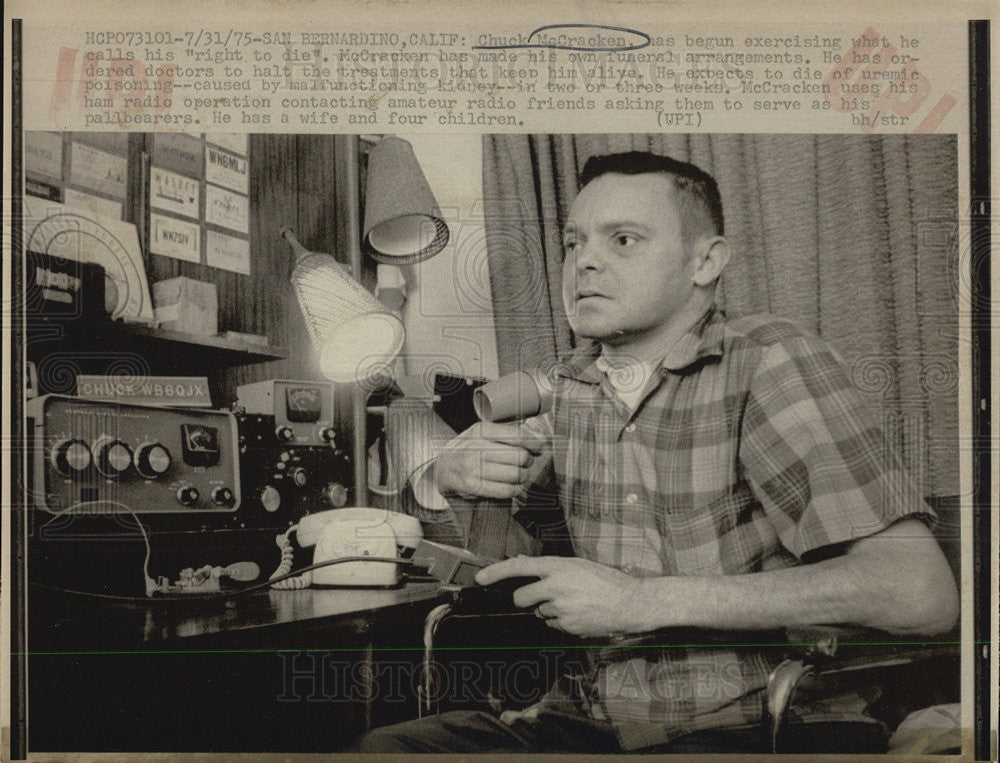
(574, 595)
(896, 580)
(487, 461)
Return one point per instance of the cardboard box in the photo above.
(184, 304)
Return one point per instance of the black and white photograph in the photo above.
(577, 382)
(652, 448)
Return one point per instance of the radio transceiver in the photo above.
(93, 457)
(292, 464)
(199, 486)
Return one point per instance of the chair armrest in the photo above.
(849, 647)
(817, 651)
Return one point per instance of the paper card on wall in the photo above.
(235, 142)
(225, 208)
(173, 193)
(227, 252)
(226, 169)
(43, 154)
(95, 205)
(77, 235)
(174, 238)
(177, 152)
(97, 170)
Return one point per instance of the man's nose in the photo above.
(589, 257)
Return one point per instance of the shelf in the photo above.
(172, 347)
(237, 353)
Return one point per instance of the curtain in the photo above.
(854, 237)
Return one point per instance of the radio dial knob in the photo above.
(152, 460)
(299, 476)
(223, 496)
(270, 498)
(113, 457)
(71, 457)
(335, 494)
(188, 495)
(328, 434)
(284, 433)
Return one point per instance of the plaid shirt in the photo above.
(747, 452)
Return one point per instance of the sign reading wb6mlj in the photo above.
(189, 391)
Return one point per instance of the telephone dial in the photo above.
(351, 531)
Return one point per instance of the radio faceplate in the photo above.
(302, 411)
(282, 481)
(100, 457)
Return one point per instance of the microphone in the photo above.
(514, 396)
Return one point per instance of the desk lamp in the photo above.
(402, 221)
(356, 338)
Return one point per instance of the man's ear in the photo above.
(711, 255)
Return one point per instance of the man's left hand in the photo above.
(573, 595)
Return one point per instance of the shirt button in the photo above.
(628, 568)
(631, 498)
(630, 427)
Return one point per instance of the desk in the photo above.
(267, 671)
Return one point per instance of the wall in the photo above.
(449, 315)
(296, 180)
(292, 183)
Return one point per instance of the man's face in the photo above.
(627, 270)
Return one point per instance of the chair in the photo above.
(815, 656)
(926, 672)
(923, 673)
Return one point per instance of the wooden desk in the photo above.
(274, 671)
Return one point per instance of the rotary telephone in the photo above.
(352, 531)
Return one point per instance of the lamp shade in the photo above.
(354, 336)
(403, 224)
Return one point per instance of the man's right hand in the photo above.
(487, 461)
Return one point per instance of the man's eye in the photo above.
(569, 246)
(625, 239)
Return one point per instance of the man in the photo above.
(715, 473)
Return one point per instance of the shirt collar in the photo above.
(703, 340)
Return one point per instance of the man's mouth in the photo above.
(586, 293)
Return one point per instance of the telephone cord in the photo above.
(279, 578)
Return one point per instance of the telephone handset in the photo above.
(352, 531)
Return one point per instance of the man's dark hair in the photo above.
(698, 193)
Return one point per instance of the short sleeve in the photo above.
(815, 455)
